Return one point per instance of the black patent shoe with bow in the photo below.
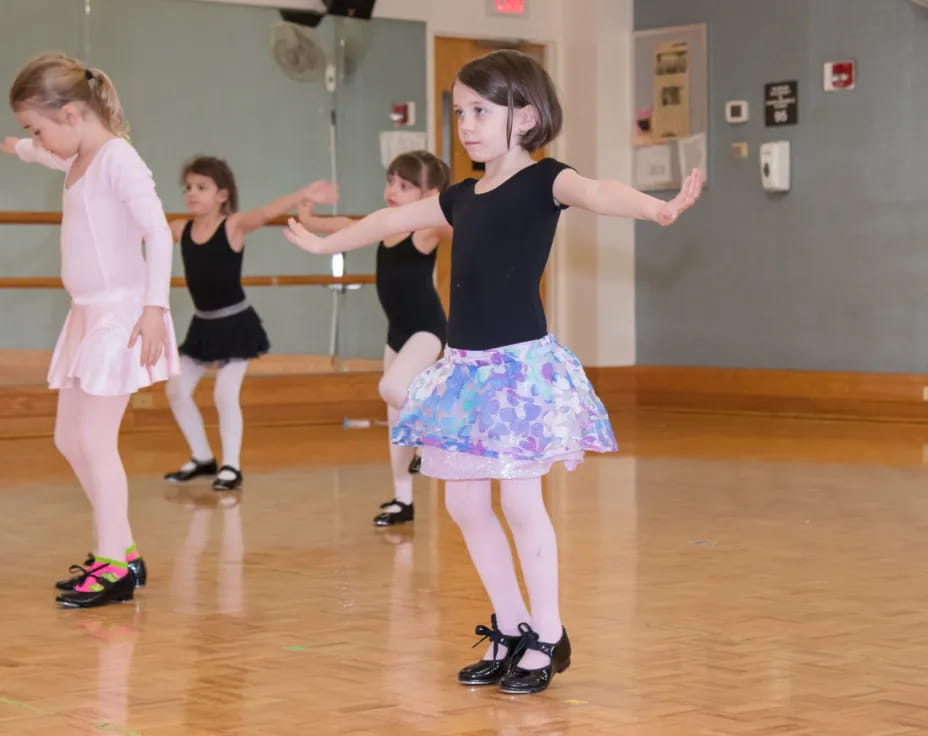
(518, 681)
(228, 484)
(490, 671)
(415, 465)
(111, 591)
(404, 514)
(182, 476)
(72, 582)
(137, 566)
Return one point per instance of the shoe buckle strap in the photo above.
(237, 472)
(530, 640)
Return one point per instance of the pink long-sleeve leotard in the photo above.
(106, 216)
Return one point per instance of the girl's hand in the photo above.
(300, 236)
(321, 192)
(668, 212)
(304, 210)
(151, 329)
(9, 145)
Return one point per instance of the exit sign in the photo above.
(509, 7)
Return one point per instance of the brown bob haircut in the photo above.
(513, 79)
(421, 169)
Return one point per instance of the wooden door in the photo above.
(450, 55)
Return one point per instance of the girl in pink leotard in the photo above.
(118, 336)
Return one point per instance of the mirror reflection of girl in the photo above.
(225, 329)
(507, 400)
(118, 336)
(406, 288)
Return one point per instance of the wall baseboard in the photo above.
(329, 398)
(324, 398)
(818, 394)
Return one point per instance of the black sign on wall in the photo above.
(781, 103)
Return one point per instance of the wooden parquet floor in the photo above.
(721, 575)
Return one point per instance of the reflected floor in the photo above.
(722, 575)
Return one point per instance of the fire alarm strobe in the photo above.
(839, 75)
(736, 111)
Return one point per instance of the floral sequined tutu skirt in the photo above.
(509, 412)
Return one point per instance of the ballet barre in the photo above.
(53, 282)
(54, 218)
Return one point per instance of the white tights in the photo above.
(470, 504)
(180, 390)
(417, 354)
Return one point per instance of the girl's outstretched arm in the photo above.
(372, 229)
(321, 225)
(614, 198)
(241, 223)
(31, 152)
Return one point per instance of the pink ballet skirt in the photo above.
(92, 351)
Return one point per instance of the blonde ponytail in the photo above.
(105, 102)
(54, 80)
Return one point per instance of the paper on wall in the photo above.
(395, 142)
(692, 154)
(652, 167)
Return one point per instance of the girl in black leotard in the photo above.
(416, 319)
(225, 329)
(506, 401)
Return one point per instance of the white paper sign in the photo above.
(692, 153)
(395, 142)
(652, 166)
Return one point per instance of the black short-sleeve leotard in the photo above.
(502, 239)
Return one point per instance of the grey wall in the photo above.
(31, 318)
(199, 78)
(833, 274)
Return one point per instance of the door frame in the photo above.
(436, 137)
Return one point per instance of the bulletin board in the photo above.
(670, 129)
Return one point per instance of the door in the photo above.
(450, 55)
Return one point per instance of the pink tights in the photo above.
(87, 434)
